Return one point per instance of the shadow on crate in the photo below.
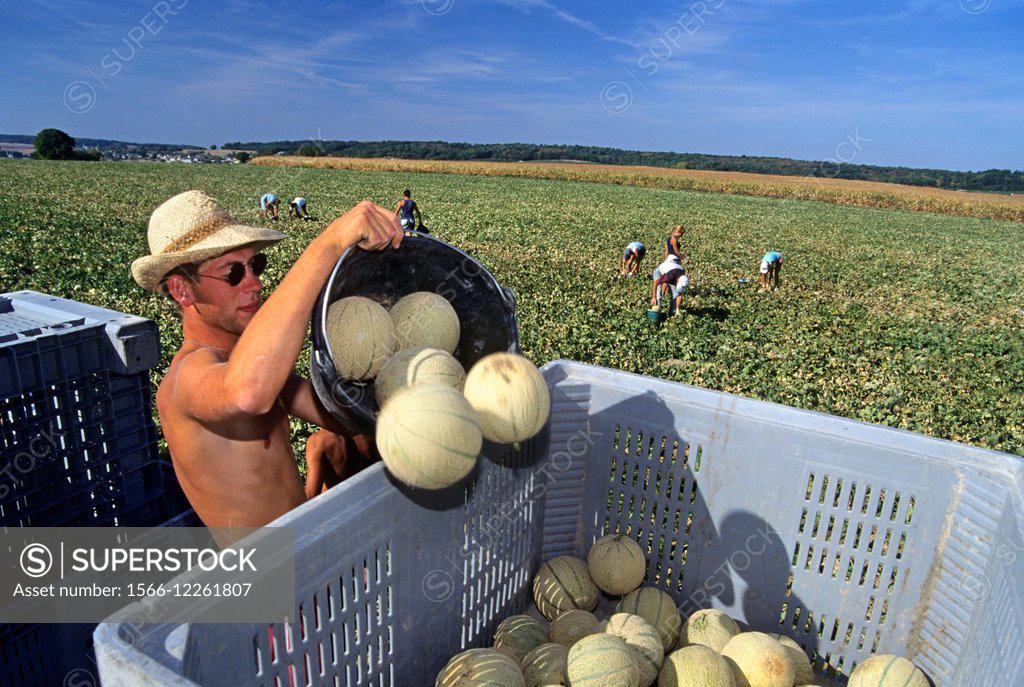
(659, 484)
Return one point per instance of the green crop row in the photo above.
(908, 319)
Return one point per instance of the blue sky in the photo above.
(924, 83)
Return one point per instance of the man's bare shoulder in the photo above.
(185, 363)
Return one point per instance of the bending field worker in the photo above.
(669, 278)
(771, 270)
(226, 399)
(297, 208)
(631, 259)
(268, 205)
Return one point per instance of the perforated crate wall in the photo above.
(77, 439)
(77, 448)
(852, 539)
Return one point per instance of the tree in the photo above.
(54, 144)
(242, 157)
(213, 147)
(309, 150)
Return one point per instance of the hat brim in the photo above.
(149, 270)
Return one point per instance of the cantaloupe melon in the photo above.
(425, 319)
(509, 394)
(572, 626)
(709, 627)
(886, 670)
(480, 668)
(696, 666)
(563, 584)
(641, 636)
(657, 608)
(547, 664)
(518, 635)
(418, 365)
(361, 337)
(429, 436)
(804, 673)
(758, 660)
(617, 564)
(603, 660)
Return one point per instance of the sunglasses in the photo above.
(236, 273)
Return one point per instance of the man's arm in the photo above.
(254, 375)
(419, 215)
(300, 400)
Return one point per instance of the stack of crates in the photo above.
(78, 448)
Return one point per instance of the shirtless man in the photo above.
(225, 401)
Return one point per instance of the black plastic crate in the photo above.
(77, 440)
(78, 447)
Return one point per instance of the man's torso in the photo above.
(238, 473)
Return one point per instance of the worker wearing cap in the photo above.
(227, 397)
(297, 208)
(771, 270)
(669, 278)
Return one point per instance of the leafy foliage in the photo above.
(908, 319)
(54, 144)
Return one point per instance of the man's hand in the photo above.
(326, 457)
(367, 225)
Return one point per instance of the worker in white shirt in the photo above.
(297, 208)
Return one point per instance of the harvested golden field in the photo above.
(825, 189)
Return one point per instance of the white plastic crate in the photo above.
(852, 539)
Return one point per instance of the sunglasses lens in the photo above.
(259, 263)
(237, 274)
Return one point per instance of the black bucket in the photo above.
(486, 310)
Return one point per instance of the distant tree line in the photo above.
(993, 180)
(54, 144)
(100, 143)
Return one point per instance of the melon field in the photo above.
(908, 319)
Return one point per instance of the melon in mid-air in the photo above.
(657, 608)
(509, 394)
(759, 660)
(572, 626)
(709, 627)
(429, 436)
(418, 365)
(425, 319)
(696, 666)
(518, 635)
(617, 564)
(361, 337)
(640, 636)
(547, 664)
(886, 670)
(480, 668)
(603, 660)
(563, 584)
(801, 661)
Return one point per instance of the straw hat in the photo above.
(191, 228)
